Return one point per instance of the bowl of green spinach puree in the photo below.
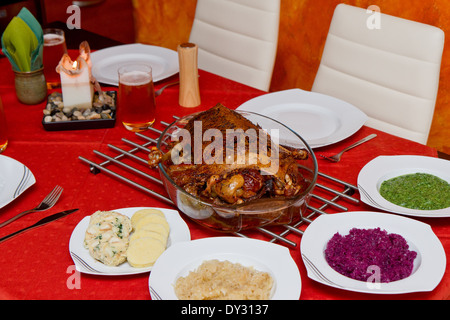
(420, 191)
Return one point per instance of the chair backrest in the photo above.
(387, 66)
(237, 39)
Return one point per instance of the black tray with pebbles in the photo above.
(102, 114)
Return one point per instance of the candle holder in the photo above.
(102, 113)
(79, 106)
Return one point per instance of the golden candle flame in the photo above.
(74, 65)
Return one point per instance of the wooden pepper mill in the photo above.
(189, 89)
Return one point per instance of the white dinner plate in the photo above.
(429, 265)
(106, 62)
(386, 167)
(319, 119)
(180, 259)
(179, 232)
(15, 178)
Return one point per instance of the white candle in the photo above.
(77, 89)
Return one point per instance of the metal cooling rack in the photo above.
(330, 194)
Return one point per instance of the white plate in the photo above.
(106, 62)
(386, 167)
(429, 265)
(179, 232)
(319, 119)
(181, 258)
(15, 178)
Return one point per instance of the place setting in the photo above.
(386, 254)
(107, 62)
(325, 119)
(409, 185)
(15, 179)
(92, 256)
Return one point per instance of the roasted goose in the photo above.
(239, 172)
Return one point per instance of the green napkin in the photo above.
(20, 42)
(31, 21)
(11, 59)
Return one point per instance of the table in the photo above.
(37, 264)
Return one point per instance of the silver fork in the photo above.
(48, 202)
(337, 157)
(160, 90)
(317, 272)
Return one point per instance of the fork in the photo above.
(337, 157)
(48, 202)
(160, 90)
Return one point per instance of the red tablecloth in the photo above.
(37, 264)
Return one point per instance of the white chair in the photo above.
(391, 73)
(237, 39)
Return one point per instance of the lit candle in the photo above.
(77, 89)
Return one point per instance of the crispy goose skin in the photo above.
(233, 182)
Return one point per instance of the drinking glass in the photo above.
(136, 105)
(54, 48)
(3, 129)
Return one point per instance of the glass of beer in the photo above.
(54, 49)
(3, 129)
(136, 105)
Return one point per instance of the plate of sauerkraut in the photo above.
(225, 268)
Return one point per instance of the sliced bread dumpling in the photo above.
(152, 218)
(144, 252)
(143, 212)
(156, 227)
(142, 233)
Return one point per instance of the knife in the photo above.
(41, 222)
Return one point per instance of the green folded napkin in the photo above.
(11, 59)
(20, 42)
(35, 26)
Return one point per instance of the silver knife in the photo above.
(41, 222)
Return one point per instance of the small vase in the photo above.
(31, 87)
